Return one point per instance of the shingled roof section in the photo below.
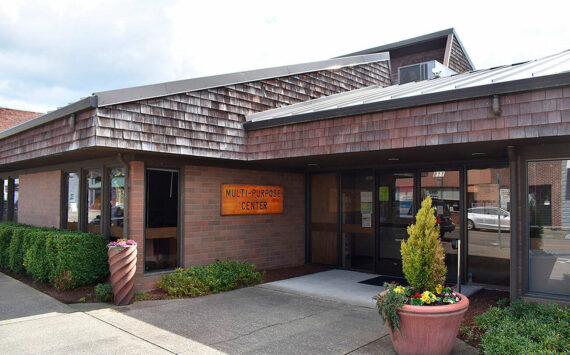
(550, 71)
(11, 117)
(155, 91)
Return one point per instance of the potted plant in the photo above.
(122, 265)
(424, 317)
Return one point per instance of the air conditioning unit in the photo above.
(423, 71)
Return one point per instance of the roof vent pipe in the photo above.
(496, 105)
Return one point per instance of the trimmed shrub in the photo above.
(423, 257)
(65, 259)
(5, 239)
(35, 259)
(80, 259)
(217, 277)
(525, 328)
(16, 251)
(104, 293)
(180, 284)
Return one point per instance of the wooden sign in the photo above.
(251, 199)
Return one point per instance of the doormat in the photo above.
(379, 280)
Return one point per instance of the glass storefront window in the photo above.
(488, 206)
(72, 184)
(324, 219)
(93, 186)
(549, 226)
(117, 201)
(16, 192)
(5, 200)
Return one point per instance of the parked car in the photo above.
(487, 218)
(443, 216)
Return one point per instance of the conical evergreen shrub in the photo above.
(423, 258)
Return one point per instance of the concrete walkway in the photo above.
(34, 323)
(259, 320)
(340, 285)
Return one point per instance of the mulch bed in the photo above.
(86, 294)
(479, 303)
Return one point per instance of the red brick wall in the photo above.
(10, 117)
(39, 199)
(541, 113)
(549, 173)
(269, 241)
(136, 220)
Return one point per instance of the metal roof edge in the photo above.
(151, 91)
(521, 85)
(403, 43)
(81, 105)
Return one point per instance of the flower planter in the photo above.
(428, 330)
(123, 265)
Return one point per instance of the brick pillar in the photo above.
(136, 213)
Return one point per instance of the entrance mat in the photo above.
(379, 280)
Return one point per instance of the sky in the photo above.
(55, 52)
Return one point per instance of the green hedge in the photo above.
(217, 277)
(525, 328)
(63, 258)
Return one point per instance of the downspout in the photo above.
(127, 197)
(496, 106)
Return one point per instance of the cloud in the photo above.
(53, 53)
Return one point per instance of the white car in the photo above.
(487, 218)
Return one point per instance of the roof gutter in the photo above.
(81, 105)
(515, 86)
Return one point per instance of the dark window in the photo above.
(93, 186)
(161, 233)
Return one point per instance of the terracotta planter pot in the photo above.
(428, 329)
(123, 265)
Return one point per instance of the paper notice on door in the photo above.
(383, 193)
(366, 220)
(365, 196)
(366, 207)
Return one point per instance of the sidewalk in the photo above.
(34, 323)
(255, 320)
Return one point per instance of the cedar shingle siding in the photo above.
(51, 138)
(457, 59)
(543, 113)
(209, 123)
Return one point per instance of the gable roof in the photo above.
(113, 97)
(550, 71)
(412, 42)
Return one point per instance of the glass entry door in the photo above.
(395, 198)
(357, 220)
(488, 207)
(444, 189)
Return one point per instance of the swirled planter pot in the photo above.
(428, 330)
(123, 265)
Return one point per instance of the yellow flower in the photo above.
(399, 289)
(438, 289)
(428, 297)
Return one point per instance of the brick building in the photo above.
(10, 117)
(352, 143)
